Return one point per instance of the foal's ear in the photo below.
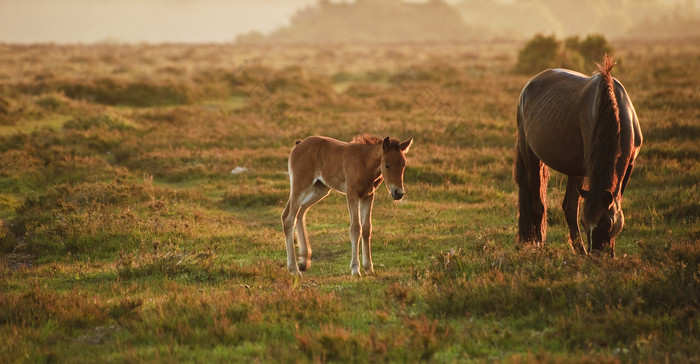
(406, 145)
(583, 193)
(386, 144)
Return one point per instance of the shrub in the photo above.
(139, 94)
(543, 52)
(78, 219)
(593, 48)
(5, 110)
(52, 102)
(538, 54)
(106, 121)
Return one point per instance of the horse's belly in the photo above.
(559, 152)
(571, 167)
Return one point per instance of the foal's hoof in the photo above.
(294, 270)
(304, 265)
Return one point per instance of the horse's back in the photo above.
(553, 116)
(554, 85)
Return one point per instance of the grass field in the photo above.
(125, 237)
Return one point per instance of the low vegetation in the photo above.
(125, 236)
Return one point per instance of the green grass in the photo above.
(125, 237)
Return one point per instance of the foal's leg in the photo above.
(318, 192)
(289, 217)
(353, 208)
(366, 214)
(570, 207)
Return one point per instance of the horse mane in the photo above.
(604, 149)
(367, 139)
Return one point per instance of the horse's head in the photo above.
(602, 230)
(393, 164)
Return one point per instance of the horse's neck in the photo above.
(373, 157)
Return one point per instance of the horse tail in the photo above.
(531, 223)
(608, 104)
(526, 220)
(604, 148)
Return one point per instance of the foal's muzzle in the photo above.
(397, 194)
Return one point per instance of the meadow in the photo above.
(125, 236)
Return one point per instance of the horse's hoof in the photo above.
(580, 251)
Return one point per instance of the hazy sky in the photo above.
(154, 21)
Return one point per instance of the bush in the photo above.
(543, 52)
(538, 54)
(52, 102)
(593, 48)
(5, 110)
(105, 121)
(108, 91)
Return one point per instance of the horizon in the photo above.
(149, 21)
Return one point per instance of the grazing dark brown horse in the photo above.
(586, 128)
(318, 165)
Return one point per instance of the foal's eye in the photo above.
(386, 165)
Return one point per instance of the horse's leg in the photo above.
(318, 192)
(531, 175)
(366, 212)
(353, 208)
(570, 207)
(289, 217)
(612, 248)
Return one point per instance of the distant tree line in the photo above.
(392, 21)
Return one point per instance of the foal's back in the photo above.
(328, 161)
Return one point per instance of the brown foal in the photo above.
(318, 165)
